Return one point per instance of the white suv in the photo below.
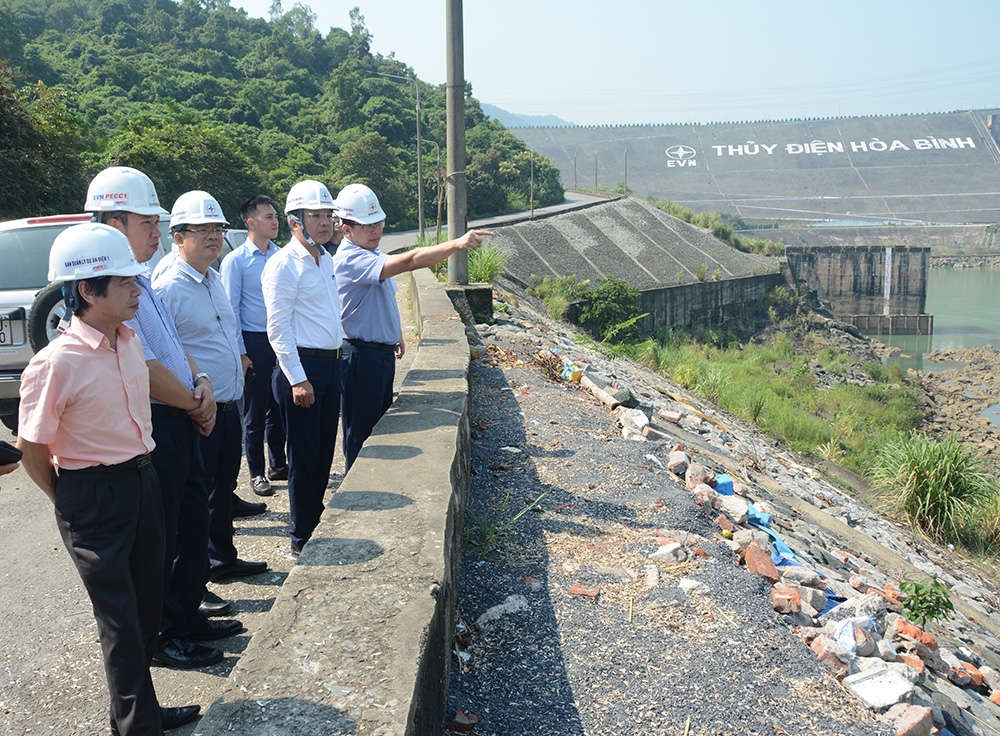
(31, 307)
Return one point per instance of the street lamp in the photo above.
(420, 157)
(438, 148)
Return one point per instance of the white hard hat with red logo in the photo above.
(358, 203)
(309, 195)
(121, 188)
(92, 250)
(195, 208)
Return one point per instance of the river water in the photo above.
(965, 303)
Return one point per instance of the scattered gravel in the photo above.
(633, 660)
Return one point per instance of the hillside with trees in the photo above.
(201, 96)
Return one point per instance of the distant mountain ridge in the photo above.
(513, 120)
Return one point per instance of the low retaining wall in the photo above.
(359, 637)
(704, 303)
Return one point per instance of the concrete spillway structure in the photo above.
(686, 276)
(684, 273)
(880, 290)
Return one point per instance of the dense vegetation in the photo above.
(200, 95)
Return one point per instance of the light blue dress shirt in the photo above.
(240, 273)
(158, 334)
(206, 324)
(368, 309)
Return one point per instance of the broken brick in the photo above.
(587, 591)
(723, 522)
(910, 720)
(914, 663)
(785, 599)
(671, 416)
(974, 673)
(913, 631)
(759, 562)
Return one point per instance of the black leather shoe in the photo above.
(215, 629)
(245, 508)
(185, 655)
(169, 718)
(237, 569)
(177, 717)
(278, 473)
(213, 605)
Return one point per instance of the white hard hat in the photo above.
(195, 208)
(92, 250)
(125, 189)
(309, 195)
(358, 203)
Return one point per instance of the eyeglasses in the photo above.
(206, 232)
(321, 215)
(374, 226)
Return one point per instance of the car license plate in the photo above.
(11, 331)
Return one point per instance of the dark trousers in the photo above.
(221, 453)
(367, 392)
(111, 521)
(178, 463)
(262, 417)
(312, 436)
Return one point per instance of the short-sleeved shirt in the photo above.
(206, 324)
(87, 403)
(303, 306)
(156, 330)
(241, 271)
(368, 309)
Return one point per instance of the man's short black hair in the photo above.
(98, 286)
(249, 208)
(121, 215)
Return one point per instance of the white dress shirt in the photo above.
(303, 306)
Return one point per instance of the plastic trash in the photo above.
(724, 485)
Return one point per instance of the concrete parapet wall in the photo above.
(705, 303)
(359, 637)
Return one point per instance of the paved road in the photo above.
(51, 672)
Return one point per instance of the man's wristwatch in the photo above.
(201, 375)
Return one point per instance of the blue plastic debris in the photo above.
(724, 485)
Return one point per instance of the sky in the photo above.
(594, 62)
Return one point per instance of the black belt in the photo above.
(139, 461)
(318, 353)
(225, 405)
(377, 345)
(168, 411)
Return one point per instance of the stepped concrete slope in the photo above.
(627, 238)
(940, 168)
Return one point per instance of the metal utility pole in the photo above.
(625, 183)
(458, 264)
(420, 168)
(531, 196)
(420, 155)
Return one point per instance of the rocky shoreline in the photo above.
(966, 261)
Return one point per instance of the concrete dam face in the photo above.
(936, 168)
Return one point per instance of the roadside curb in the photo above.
(359, 637)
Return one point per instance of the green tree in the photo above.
(40, 167)
(182, 157)
(609, 307)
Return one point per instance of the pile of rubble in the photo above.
(856, 628)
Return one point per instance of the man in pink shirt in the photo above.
(86, 434)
